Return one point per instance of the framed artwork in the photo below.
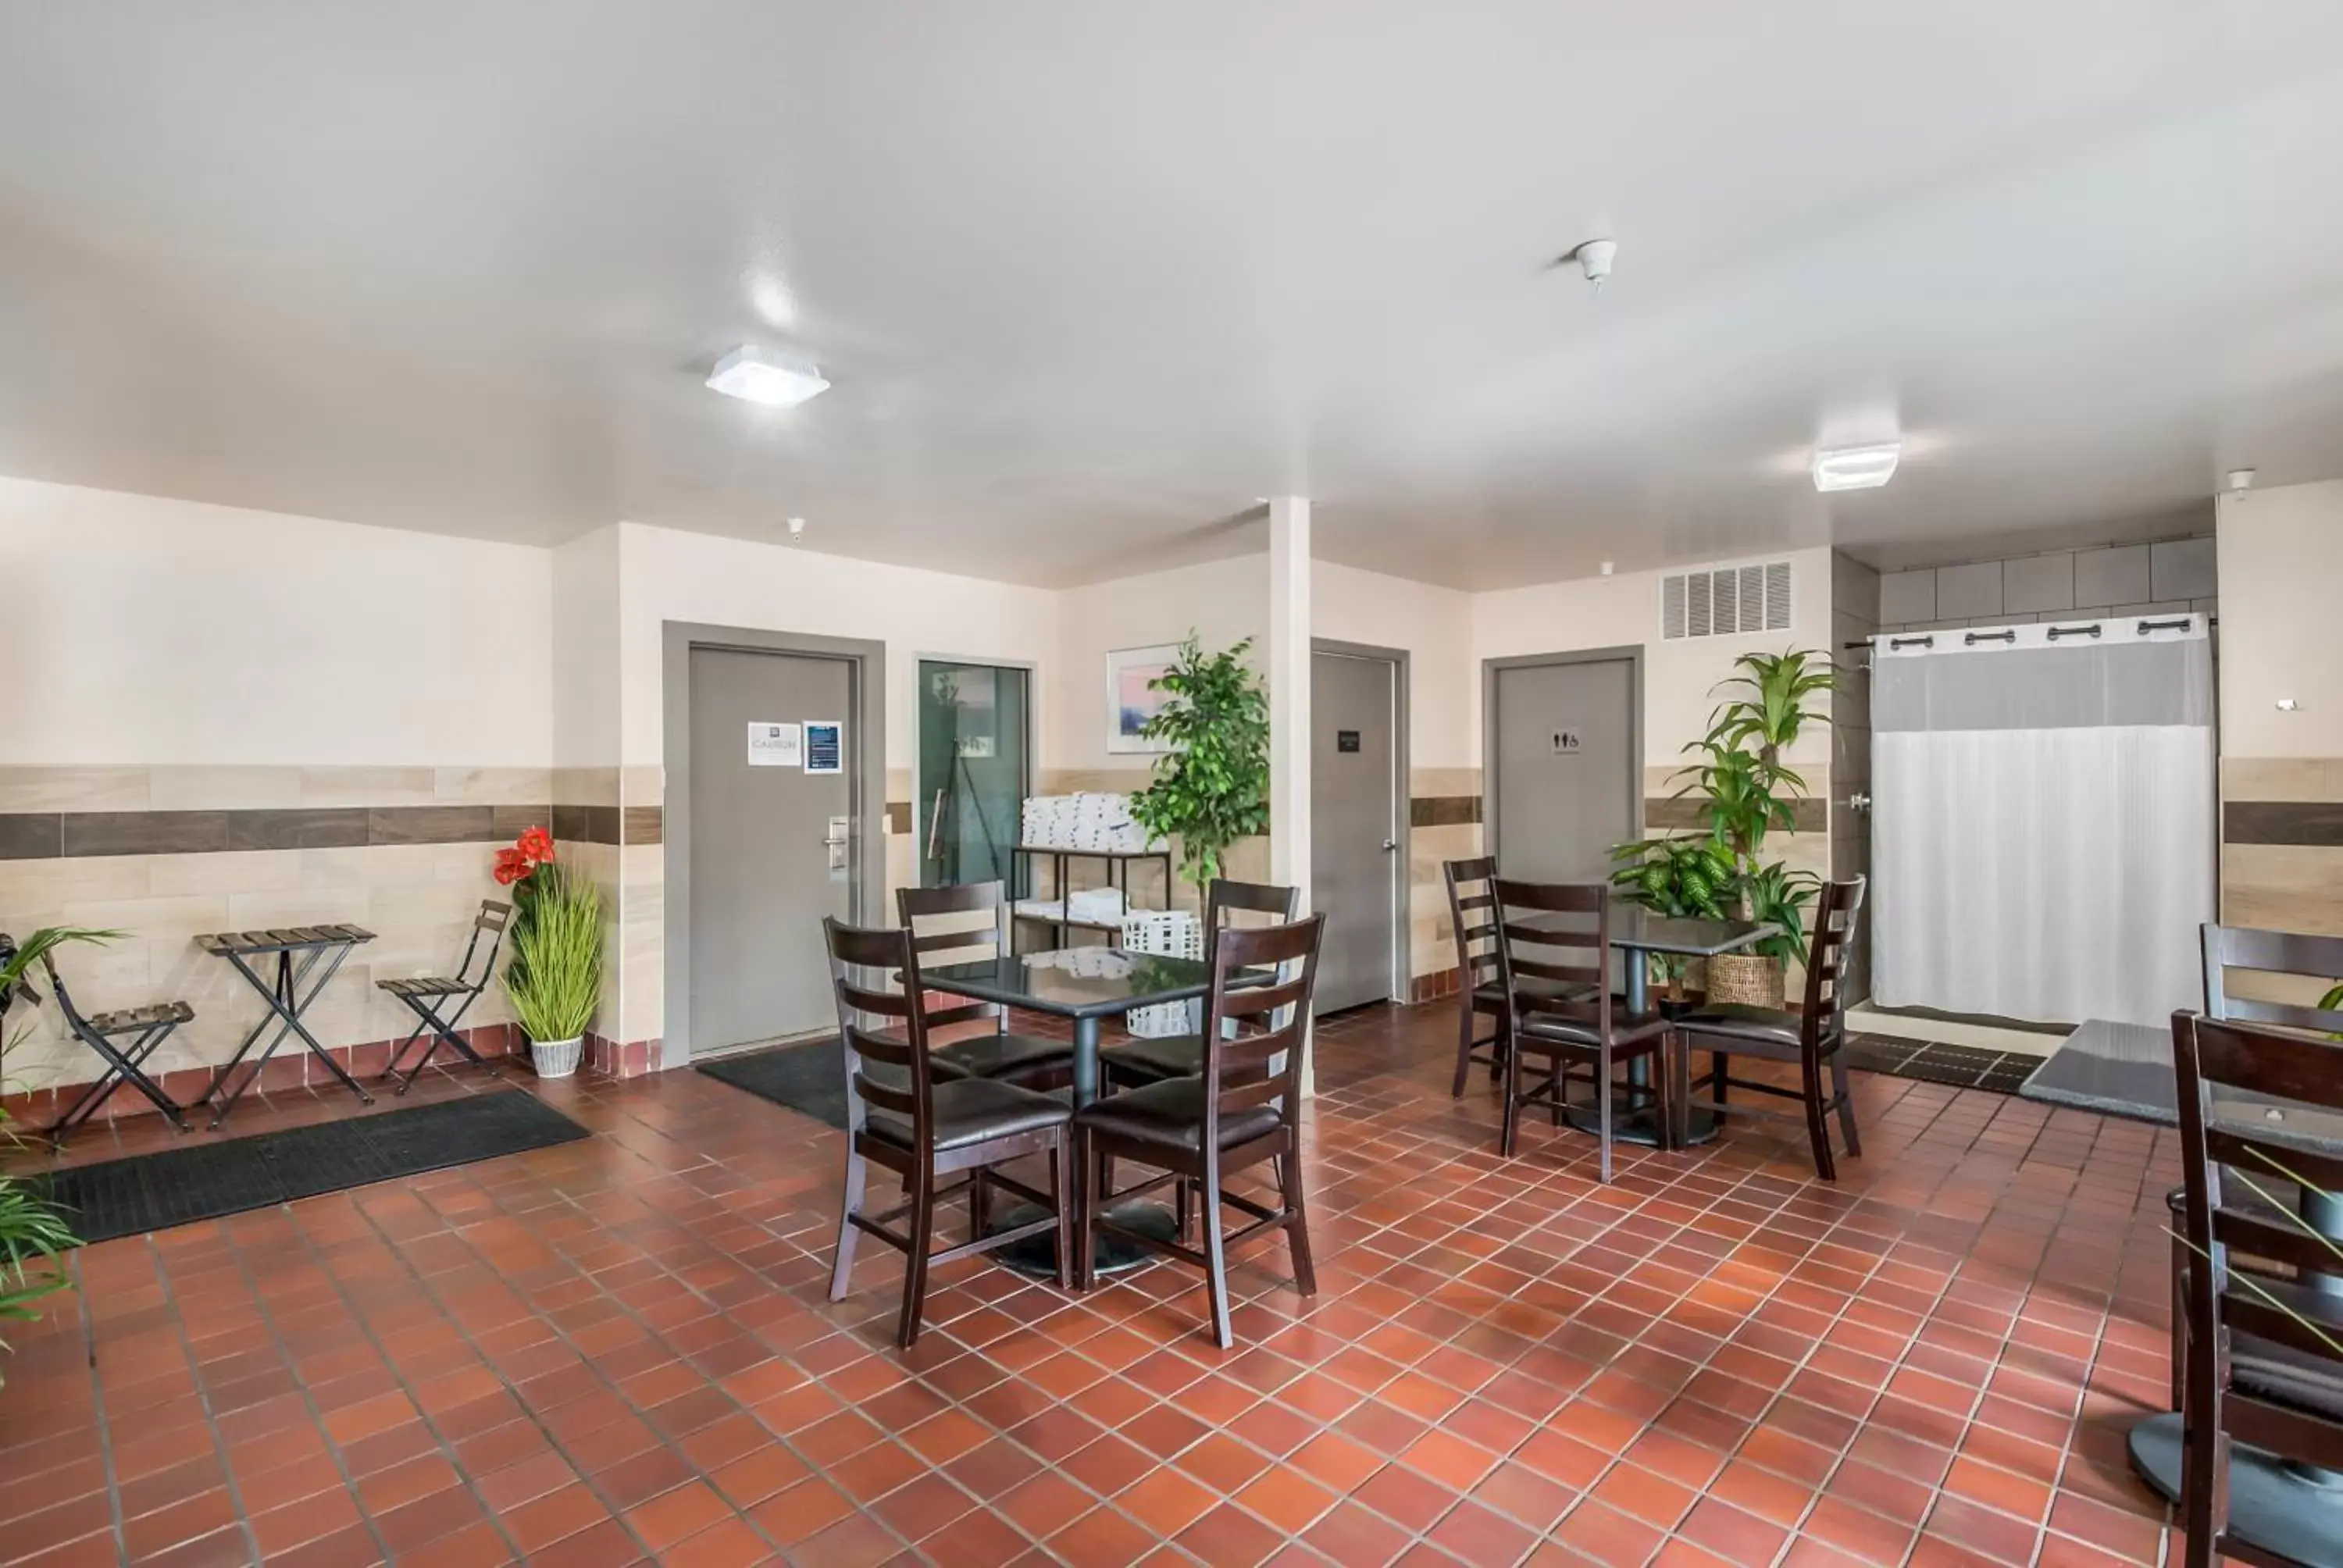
(1129, 702)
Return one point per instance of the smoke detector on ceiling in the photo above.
(2237, 481)
(1594, 259)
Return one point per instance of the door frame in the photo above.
(1632, 653)
(1403, 876)
(865, 663)
(918, 780)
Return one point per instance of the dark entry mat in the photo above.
(809, 1078)
(1961, 1066)
(207, 1180)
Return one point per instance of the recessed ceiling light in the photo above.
(1857, 467)
(769, 378)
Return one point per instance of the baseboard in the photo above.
(1905, 1024)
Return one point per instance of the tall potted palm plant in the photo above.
(1747, 790)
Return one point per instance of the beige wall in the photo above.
(206, 703)
(1221, 601)
(2281, 556)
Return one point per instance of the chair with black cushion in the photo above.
(1144, 1060)
(1242, 1109)
(1553, 960)
(427, 996)
(2273, 1379)
(905, 1117)
(2289, 964)
(127, 1038)
(968, 923)
(1813, 1039)
(1480, 990)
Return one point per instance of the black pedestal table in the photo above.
(1637, 932)
(1085, 986)
(2125, 1070)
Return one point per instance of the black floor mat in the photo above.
(1962, 1066)
(207, 1181)
(810, 1078)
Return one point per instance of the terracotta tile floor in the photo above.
(619, 1350)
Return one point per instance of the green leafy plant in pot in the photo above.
(1747, 791)
(1213, 788)
(555, 976)
(34, 1235)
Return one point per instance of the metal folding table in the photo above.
(298, 951)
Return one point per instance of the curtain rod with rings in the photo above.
(2088, 628)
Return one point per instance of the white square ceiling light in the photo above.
(1857, 467)
(772, 379)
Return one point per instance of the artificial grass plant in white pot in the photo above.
(554, 977)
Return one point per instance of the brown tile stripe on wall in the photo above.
(72, 834)
(2312, 824)
(608, 824)
(1444, 810)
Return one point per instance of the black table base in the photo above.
(2273, 1503)
(1038, 1255)
(1641, 1125)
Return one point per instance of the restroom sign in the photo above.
(1567, 743)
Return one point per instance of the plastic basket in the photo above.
(1173, 934)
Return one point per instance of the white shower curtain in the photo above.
(2043, 818)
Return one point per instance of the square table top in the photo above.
(2125, 1070)
(1076, 983)
(1644, 931)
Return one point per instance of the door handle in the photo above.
(836, 841)
(1390, 845)
(935, 825)
(1858, 802)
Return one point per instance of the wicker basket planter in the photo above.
(1751, 979)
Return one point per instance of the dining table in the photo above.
(1086, 986)
(2125, 1070)
(1637, 932)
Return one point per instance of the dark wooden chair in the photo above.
(1480, 988)
(1144, 1060)
(945, 930)
(905, 1117)
(2274, 1378)
(1553, 960)
(2301, 965)
(1244, 1109)
(428, 996)
(1813, 1039)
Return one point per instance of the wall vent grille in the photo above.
(1725, 601)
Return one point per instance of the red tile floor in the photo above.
(619, 1350)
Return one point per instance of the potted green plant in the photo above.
(32, 1231)
(1748, 791)
(1685, 877)
(555, 976)
(1212, 789)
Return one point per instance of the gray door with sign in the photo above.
(770, 847)
(1563, 739)
(1354, 828)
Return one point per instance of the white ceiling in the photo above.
(1091, 275)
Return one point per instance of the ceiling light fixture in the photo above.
(772, 379)
(1857, 467)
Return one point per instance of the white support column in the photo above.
(1289, 707)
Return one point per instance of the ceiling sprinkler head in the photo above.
(797, 530)
(2238, 480)
(1594, 259)
(1606, 569)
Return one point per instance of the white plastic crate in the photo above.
(1172, 934)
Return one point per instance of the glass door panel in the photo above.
(973, 756)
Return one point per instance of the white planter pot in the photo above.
(556, 1058)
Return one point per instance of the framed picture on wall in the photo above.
(1129, 702)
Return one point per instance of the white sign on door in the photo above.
(775, 745)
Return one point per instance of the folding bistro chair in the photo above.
(126, 1039)
(428, 994)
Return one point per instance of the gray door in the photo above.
(1567, 777)
(761, 872)
(1353, 827)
